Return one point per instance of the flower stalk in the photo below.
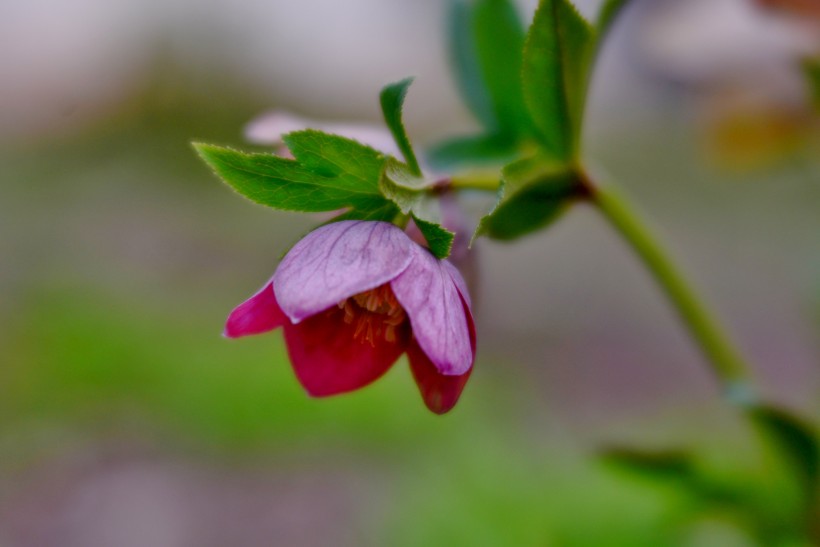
(725, 360)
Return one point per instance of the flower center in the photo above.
(374, 314)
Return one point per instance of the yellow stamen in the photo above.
(375, 313)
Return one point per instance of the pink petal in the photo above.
(337, 261)
(461, 285)
(328, 360)
(429, 294)
(269, 128)
(260, 313)
(440, 392)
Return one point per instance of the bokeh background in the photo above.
(127, 420)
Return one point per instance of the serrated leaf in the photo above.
(534, 192)
(465, 63)
(329, 173)
(392, 100)
(411, 195)
(798, 443)
(472, 151)
(402, 187)
(335, 156)
(386, 212)
(439, 239)
(499, 42)
(557, 55)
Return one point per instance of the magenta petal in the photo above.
(427, 292)
(328, 360)
(260, 313)
(440, 392)
(337, 261)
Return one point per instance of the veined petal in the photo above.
(328, 359)
(260, 313)
(461, 285)
(428, 293)
(337, 261)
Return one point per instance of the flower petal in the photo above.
(440, 392)
(337, 261)
(427, 292)
(461, 285)
(269, 128)
(260, 313)
(328, 360)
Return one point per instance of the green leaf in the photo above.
(798, 443)
(465, 63)
(606, 17)
(392, 100)
(411, 195)
(499, 41)
(407, 190)
(386, 212)
(666, 466)
(534, 192)
(677, 468)
(329, 173)
(439, 239)
(557, 56)
(470, 151)
(811, 69)
(335, 156)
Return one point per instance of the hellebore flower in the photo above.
(352, 296)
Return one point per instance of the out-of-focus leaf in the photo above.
(798, 443)
(465, 63)
(606, 17)
(410, 194)
(678, 469)
(392, 100)
(811, 68)
(499, 41)
(329, 173)
(557, 54)
(665, 466)
(475, 150)
(486, 45)
(533, 193)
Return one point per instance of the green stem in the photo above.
(486, 181)
(726, 362)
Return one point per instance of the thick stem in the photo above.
(726, 362)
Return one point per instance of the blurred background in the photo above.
(127, 420)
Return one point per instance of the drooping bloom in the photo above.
(352, 297)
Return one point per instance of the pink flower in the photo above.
(352, 296)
